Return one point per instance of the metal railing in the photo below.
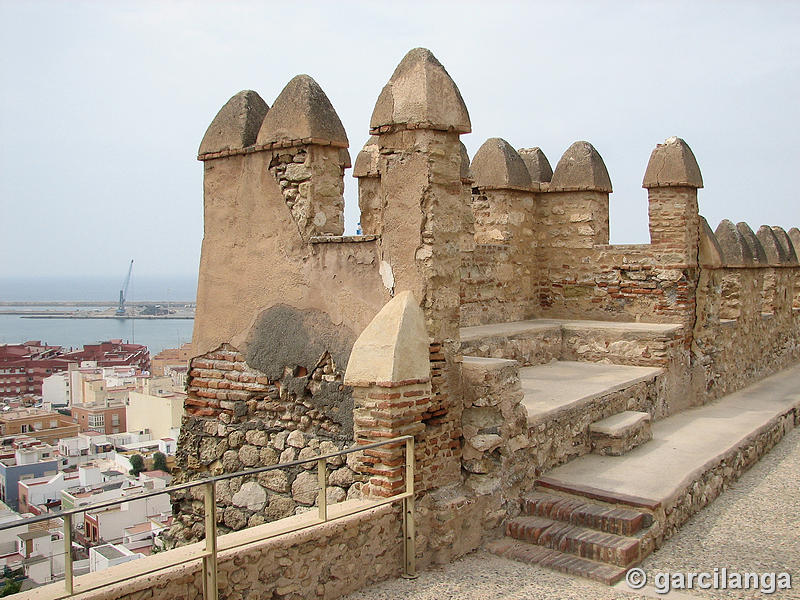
(210, 551)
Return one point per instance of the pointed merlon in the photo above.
(581, 168)
(236, 124)
(794, 235)
(672, 164)
(497, 165)
(710, 254)
(466, 169)
(344, 158)
(367, 159)
(789, 251)
(771, 245)
(735, 250)
(421, 93)
(538, 166)
(393, 347)
(302, 111)
(752, 242)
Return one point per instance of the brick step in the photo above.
(576, 511)
(553, 559)
(620, 433)
(580, 541)
(592, 493)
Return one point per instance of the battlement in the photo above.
(308, 339)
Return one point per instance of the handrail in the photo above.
(194, 483)
(209, 555)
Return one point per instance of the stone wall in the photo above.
(494, 458)
(735, 342)
(541, 245)
(282, 295)
(534, 346)
(499, 270)
(505, 450)
(310, 178)
(540, 342)
(326, 561)
(238, 418)
(263, 211)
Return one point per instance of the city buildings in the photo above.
(113, 353)
(24, 366)
(29, 459)
(171, 357)
(40, 494)
(51, 460)
(107, 417)
(44, 425)
(155, 407)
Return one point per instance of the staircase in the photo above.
(576, 536)
(587, 387)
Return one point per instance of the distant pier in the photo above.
(135, 310)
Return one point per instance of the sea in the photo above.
(156, 334)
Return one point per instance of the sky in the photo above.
(104, 104)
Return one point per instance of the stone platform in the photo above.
(687, 446)
(580, 518)
(566, 385)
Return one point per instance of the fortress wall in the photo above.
(499, 272)
(498, 276)
(583, 277)
(304, 336)
(283, 296)
(748, 326)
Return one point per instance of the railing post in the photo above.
(409, 529)
(68, 582)
(210, 591)
(322, 480)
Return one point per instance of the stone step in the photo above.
(560, 387)
(553, 559)
(595, 493)
(576, 511)
(583, 542)
(620, 433)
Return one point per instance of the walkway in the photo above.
(751, 527)
(687, 444)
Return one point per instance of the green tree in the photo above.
(10, 588)
(137, 464)
(159, 461)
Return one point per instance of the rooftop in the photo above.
(108, 551)
(32, 535)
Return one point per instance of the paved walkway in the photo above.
(684, 445)
(753, 526)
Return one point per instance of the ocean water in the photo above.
(157, 334)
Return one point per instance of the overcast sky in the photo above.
(103, 105)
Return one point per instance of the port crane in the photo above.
(123, 293)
